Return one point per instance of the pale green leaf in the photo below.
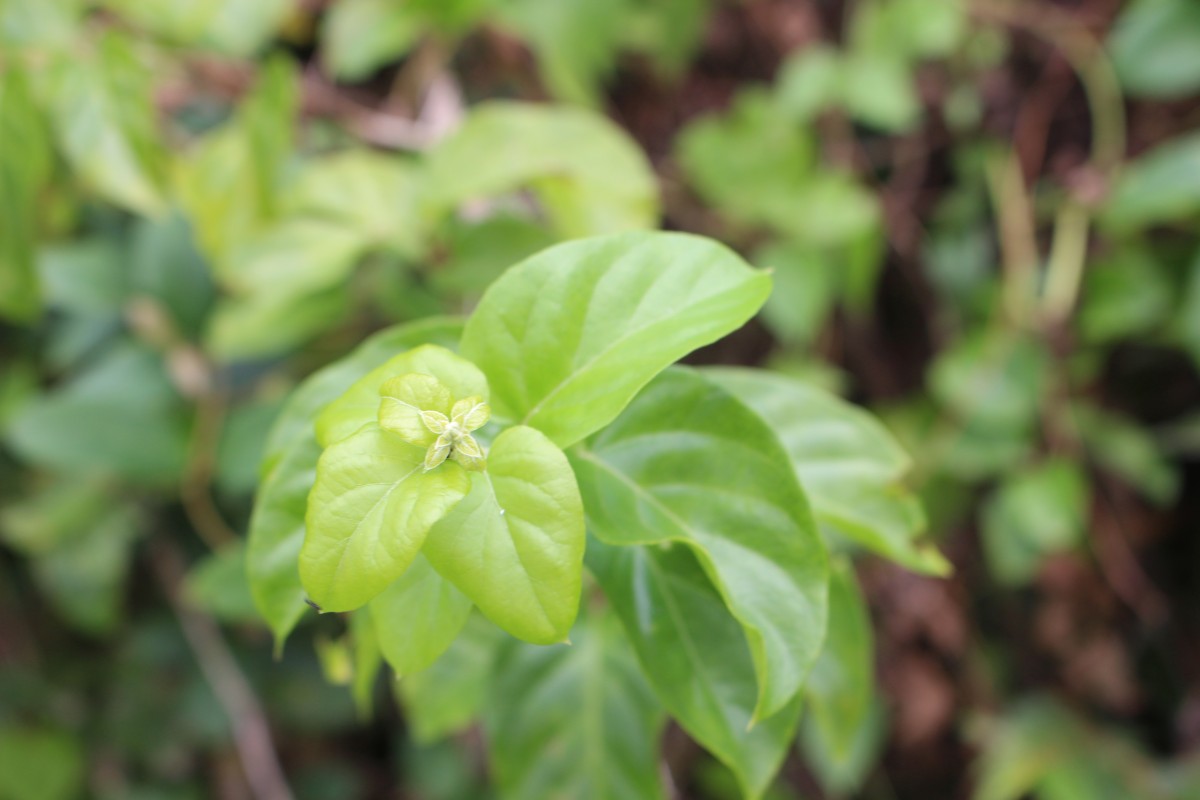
(590, 177)
(229, 183)
(848, 463)
(688, 462)
(359, 36)
(417, 617)
(106, 123)
(515, 544)
(289, 470)
(369, 512)
(576, 43)
(361, 403)
(232, 27)
(695, 655)
(568, 337)
(574, 720)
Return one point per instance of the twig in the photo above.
(251, 734)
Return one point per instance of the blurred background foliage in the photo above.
(982, 221)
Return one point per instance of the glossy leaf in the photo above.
(568, 337)
(417, 617)
(369, 512)
(589, 176)
(695, 655)
(106, 123)
(849, 465)
(289, 471)
(515, 544)
(574, 721)
(687, 462)
(361, 403)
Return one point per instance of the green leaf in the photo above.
(229, 184)
(232, 27)
(359, 36)
(576, 43)
(809, 82)
(121, 416)
(295, 257)
(696, 657)
(417, 617)
(1033, 514)
(1155, 48)
(448, 696)
(1129, 451)
(568, 337)
(369, 512)
(1159, 186)
(841, 688)
(257, 326)
(879, 90)
(687, 462)
(847, 462)
(289, 471)
(588, 175)
(372, 194)
(40, 764)
(25, 162)
(368, 660)
(994, 379)
(1124, 295)
(79, 541)
(106, 123)
(361, 403)
(515, 544)
(218, 585)
(574, 721)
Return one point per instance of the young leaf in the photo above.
(515, 544)
(568, 337)
(289, 471)
(688, 462)
(361, 403)
(574, 721)
(417, 617)
(695, 655)
(589, 176)
(848, 463)
(368, 514)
